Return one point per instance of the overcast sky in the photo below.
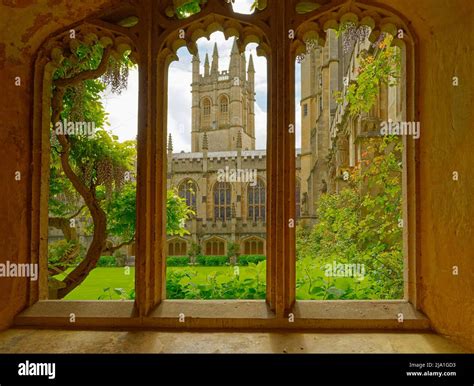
(123, 109)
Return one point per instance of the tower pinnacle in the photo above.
(170, 143)
(206, 65)
(215, 60)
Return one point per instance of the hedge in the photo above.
(177, 261)
(212, 261)
(247, 259)
(107, 261)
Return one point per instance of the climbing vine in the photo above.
(381, 67)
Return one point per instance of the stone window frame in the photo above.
(156, 40)
(217, 242)
(253, 239)
(173, 242)
(189, 195)
(224, 113)
(206, 116)
(251, 205)
(222, 204)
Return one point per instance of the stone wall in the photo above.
(446, 208)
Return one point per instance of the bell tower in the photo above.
(223, 102)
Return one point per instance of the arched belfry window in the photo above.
(223, 110)
(222, 201)
(206, 113)
(256, 201)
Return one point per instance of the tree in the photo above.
(91, 171)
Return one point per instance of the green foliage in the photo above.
(177, 212)
(233, 249)
(189, 8)
(194, 250)
(122, 293)
(312, 283)
(177, 261)
(62, 254)
(181, 285)
(382, 67)
(212, 261)
(102, 163)
(251, 259)
(107, 261)
(359, 225)
(121, 212)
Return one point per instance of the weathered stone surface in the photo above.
(54, 341)
(444, 31)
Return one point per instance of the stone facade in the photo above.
(223, 137)
(332, 141)
(224, 177)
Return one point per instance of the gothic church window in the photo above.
(187, 190)
(253, 246)
(177, 247)
(206, 113)
(222, 201)
(215, 247)
(223, 110)
(256, 201)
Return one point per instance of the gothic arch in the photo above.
(222, 201)
(206, 114)
(257, 201)
(253, 245)
(187, 189)
(48, 93)
(312, 26)
(223, 110)
(215, 246)
(177, 246)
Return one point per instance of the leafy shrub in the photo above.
(233, 252)
(254, 259)
(63, 254)
(107, 261)
(177, 261)
(194, 250)
(358, 225)
(180, 284)
(212, 261)
(120, 292)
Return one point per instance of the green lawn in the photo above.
(101, 278)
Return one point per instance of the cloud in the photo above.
(123, 109)
(179, 107)
(243, 6)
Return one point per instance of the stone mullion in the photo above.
(145, 186)
(281, 213)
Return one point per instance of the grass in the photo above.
(100, 278)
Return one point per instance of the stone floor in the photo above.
(60, 341)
